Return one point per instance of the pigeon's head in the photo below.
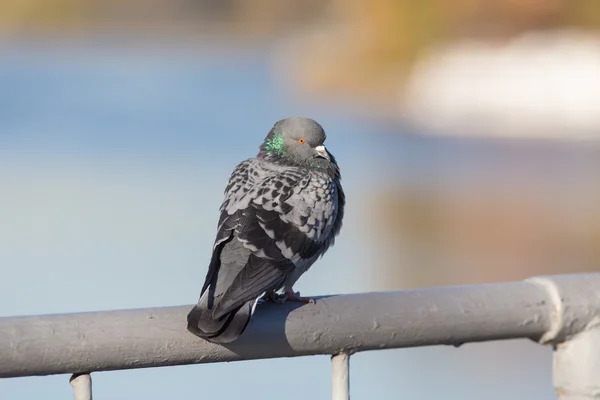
(297, 141)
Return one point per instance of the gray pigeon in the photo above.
(282, 210)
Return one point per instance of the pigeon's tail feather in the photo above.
(227, 261)
(219, 330)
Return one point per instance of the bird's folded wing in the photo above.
(275, 228)
(275, 220)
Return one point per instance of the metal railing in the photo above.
(562, 311)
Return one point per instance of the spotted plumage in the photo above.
(282, 211)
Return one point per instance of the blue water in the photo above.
(112, 165)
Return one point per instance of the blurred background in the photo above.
(467, 133)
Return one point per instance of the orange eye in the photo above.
(301, 141)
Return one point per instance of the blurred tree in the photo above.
(39, 16)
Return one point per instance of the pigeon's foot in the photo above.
(290, 295)
(274, 297)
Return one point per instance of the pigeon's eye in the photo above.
(301, 141)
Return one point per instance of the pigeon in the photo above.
(282, 210)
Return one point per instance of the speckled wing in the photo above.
(282, 217)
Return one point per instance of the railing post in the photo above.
(82, 386)
(574, 334)
(340, 371)
(577, 366)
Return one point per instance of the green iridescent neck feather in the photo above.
(274, 146)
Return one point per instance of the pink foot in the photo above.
(290, 295)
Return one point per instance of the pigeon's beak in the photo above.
(322, 152)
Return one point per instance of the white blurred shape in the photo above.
(539, 84)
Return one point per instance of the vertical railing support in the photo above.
(82, 386)
(577, 366)
(340, 371)
(574, 334)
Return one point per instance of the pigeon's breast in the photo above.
(323, 198)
